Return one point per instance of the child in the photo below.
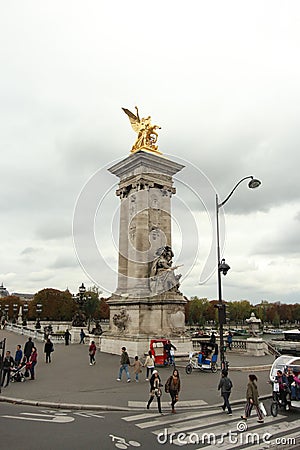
(137, 368)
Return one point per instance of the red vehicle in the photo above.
(157, 347)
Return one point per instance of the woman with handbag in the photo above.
(173, 388)
(155, 390)
(252, 400)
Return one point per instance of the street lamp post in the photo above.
(223, 267)
(15, 310)
(39, 308)
(79, 320)
(25, 311)
(6, 309)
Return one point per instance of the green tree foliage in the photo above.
(197, 311)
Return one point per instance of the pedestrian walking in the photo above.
(28, 348)
(170, 351)
(172, 387)
(149, 364)
(137, 368)
(67, 337)
(33, 362)
(124, 362)
(229, 340)
(252, 399)
(155, 390)
(18, 356)
(225, 386)
(82, 336)
(48, 349)
(7, 364)
(92, 353)
(212, 338)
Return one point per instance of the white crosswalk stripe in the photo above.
(214, 429)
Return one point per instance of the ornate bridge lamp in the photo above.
(15, 310)
(223, 267)
(80, 319)
(6, 310)
(25, 311)
(39, 308)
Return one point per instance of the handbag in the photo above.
(157, 392)
(263, 409)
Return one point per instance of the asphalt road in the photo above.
(33, 428)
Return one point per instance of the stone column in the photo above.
(145, 191)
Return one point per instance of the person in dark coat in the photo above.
(82, 336)
(28, 348)
(48, 349)
(7, 364)
(173, 388)
(225, 385)
(67, 337)
(155, 390)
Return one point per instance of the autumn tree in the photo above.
(56, 305)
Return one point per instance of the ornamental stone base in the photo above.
(255, 347)
(159, 316)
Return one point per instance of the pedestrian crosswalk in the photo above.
(209, 428)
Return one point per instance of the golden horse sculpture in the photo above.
(146, 134)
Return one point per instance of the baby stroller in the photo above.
(17, 374)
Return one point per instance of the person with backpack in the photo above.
(28, 348)
(125, 362)
(82, 336)
(225, 385)
(172, 387)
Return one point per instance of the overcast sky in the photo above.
(220, 78)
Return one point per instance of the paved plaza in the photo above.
(69, 379)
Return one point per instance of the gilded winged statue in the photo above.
(146, 134)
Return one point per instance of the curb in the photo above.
(20, 401)
(77, 406)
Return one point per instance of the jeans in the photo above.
(5, 374)
(226, 404)
(174, 397)
(124, 367)
(149, 370)
(33, 364)
(158, 403)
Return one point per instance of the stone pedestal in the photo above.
(255, 347)
(75, 334)
(147, 302)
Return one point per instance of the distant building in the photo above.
(24, 297)
(3, 291)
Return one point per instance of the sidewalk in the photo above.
(70, 382)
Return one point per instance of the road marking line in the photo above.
(56, 419)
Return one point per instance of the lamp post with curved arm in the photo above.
(223, 267)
